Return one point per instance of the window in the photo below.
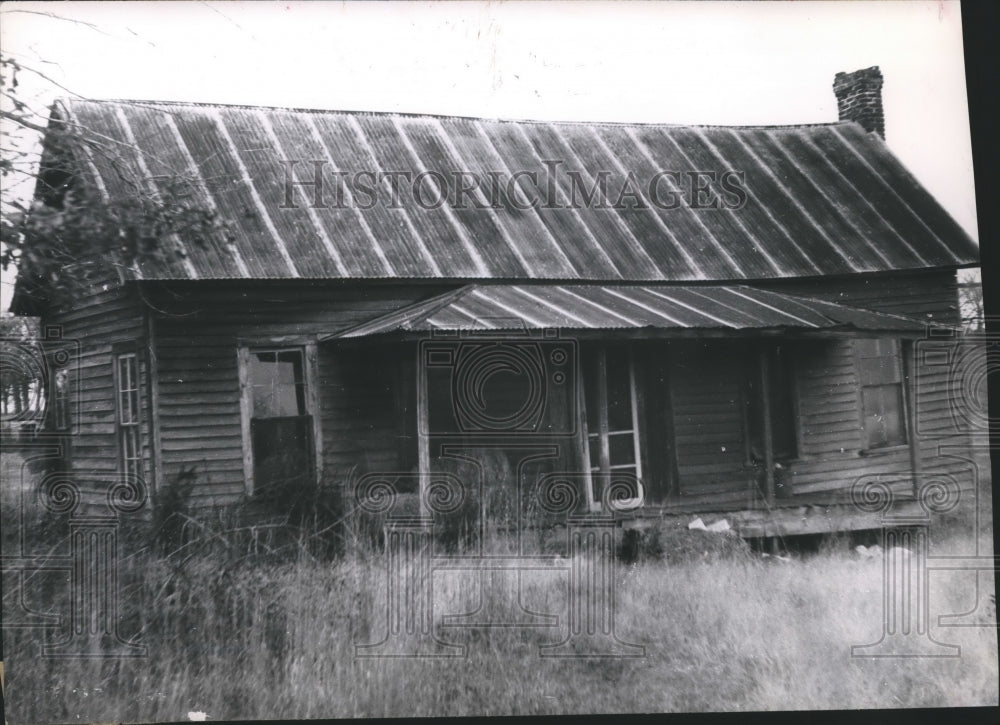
(59, 400)
(611, 403)
(881, 392)
(281, 428)
(127, 402)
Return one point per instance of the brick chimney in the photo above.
(859, 98)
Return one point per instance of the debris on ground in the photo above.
(868, 552)
(676, 543)
(717, 527)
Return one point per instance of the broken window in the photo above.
(881, 392)
(611, 410)
(281, 427)
(127, 403)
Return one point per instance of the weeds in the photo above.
(243, 624)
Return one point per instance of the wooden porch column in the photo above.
(909, 387)
(423, 433)
(764, 370)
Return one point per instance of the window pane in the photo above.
(131, 457)
(127, 403)
(888, 347)
(874, 417)
(622, 449)
(892, 404)
(878, 370)
(883, 415)
(618, 435)
(878, 361)
(278, 385)
(61, 400)
(282, 453)
(123, 373)
(882, 392)
(128, 389)
(867, 347)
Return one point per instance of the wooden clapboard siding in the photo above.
(829, 403)
(831, 456)
(829, 417)
(930, 295)
(706, 381)
(198, 330)
(108, 319)
(707, 407)
(361, 424)
(945, 414)
(694, 390)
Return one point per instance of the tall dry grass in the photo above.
(257, 637)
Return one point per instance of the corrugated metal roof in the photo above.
(821, 199)
(607, 307)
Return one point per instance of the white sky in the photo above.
(692, 62)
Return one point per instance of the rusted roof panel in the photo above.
(820, 199)
(610, 307)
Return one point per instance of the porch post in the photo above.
(423, 434)
(763, 368)
(909, 386)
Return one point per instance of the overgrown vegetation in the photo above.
(65, 230)
(238, 633)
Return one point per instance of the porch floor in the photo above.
(788, 517)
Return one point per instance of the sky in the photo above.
(687, 62)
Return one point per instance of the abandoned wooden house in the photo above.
(745, 343)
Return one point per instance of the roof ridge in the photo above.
(165, 105)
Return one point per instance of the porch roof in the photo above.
(621, 307)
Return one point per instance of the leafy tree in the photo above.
(970, 303)
(70, 235)
(61, 233)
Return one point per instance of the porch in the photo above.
(651, 401)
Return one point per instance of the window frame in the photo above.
(132, 428)
(310, 377)
(902, 387)
(58, 401)
(603, 435)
